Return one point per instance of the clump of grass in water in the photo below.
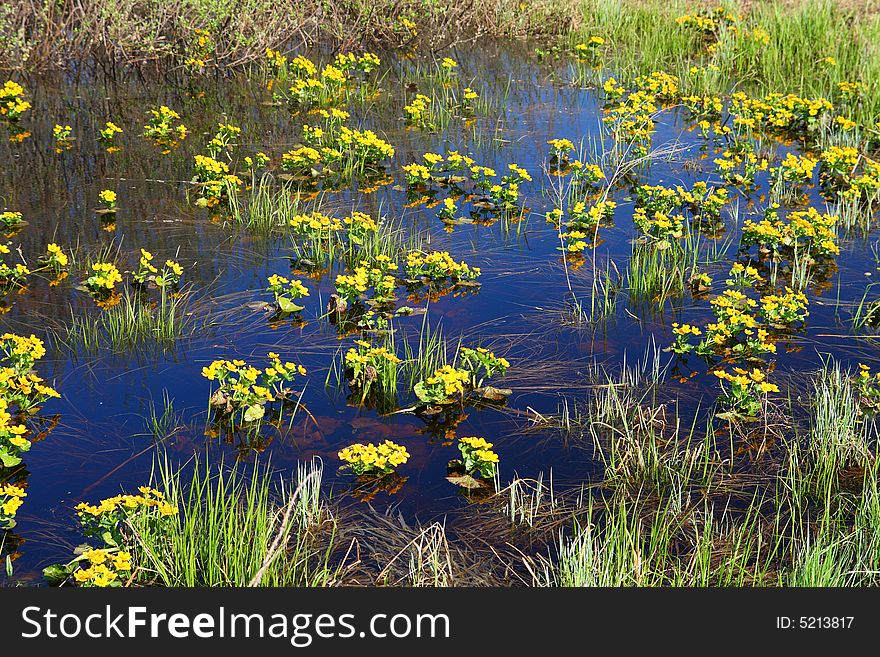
(866, 314)
(633, 543)
(269, 207)
(431, 353)
(390, 240)
(382, 390)
(428, 561)
(161, 425)
(601, 305)
(134, 324)
(655, 276)
(529, 499)
(841, 436)
(233, 529)
(418, 362)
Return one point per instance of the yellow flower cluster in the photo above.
(300, 158)
(698, 22)
(63, 137)
(784, 309)
(108, 133)
(709, 106)
(409, 25)
(418, 112)
(747, 378)
(868, 386)
(795, 169)
(303, 67)
(315, 225)
(366, 144)
(148, 499)
(519, 172)
(12, 275)
(22, 349)
(296, 287)
(108, 198)
(210, 168)
(631, 120)
(276, 59)
(332, 75)
(11, 498)
(685, 329)
(612, 88)
(560, 148)
(374, 459)
(740, 164)
(277, 368)
(452, 381)
(417, 174)
(744, 276)
(481, 448)
(736, 329)
(759, 35)
(12, 102)
(850, 174)
(841, 158)
(217, 182)
(21, 390)
(285, 290)
(349, 286)
(360, 223)
(438, 265)
(807, 230)
(218, 368)
(582, 223)
(10, 219)
(106, 568)
(200, 50)
(845, 123)
(586, 174)
(657, 86)
(375, 274)
(160, 128)
(659, 225)
(777, 112)
(241, 388)
(369, 355)
(12, 435)
(174, 267)
(478, 456)
(104, 278)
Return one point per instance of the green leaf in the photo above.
(8, 460)
(56, 573)
(422, 393)
(288, 306)
(253, 413)
(734, 416)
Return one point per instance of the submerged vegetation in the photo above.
(464, 247)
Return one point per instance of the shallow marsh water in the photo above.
(101, 444)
